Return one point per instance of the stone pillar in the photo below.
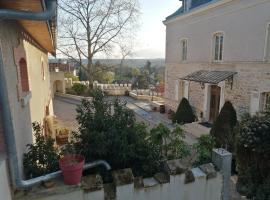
(223, 160)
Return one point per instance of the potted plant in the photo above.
(71, 165)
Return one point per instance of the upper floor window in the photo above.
(265, 101)
(218, 46)
(267, 48)
(42, 70)
(183, 49)
(24, 75)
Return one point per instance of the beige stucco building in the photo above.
(217, 51)
(25, 92)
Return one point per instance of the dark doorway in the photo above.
(214, 102)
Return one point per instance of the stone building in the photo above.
(217, 51)
(27, 35)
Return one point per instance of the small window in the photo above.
(267, 49)
(42, 70)
(24, 75)
(184, 50)
(218, 46)
(265, 102)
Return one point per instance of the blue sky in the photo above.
(150, 40)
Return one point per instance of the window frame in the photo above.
(267, 44)
(218, 48)
(24, 76)
(265, 101)
(184, 49)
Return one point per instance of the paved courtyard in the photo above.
(65, 110)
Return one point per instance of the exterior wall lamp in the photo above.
(202, 85)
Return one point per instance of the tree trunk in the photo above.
(90, 74)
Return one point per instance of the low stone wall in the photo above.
(69, 82)
(176, 181)
(73, 97)
(114, 89)
(144, 97)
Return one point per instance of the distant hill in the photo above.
(128, 62)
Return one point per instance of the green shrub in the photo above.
(70, 91)
(70, 75)
(79, 88)
(223, 127)
(253, 157)
(108, 131)
(184, 113)
(203, 148)
(169, 143)
(41, 158)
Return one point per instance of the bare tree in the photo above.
(91, 27)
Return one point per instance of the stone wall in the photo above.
(177, 181)
(250, 77)
(196, 97)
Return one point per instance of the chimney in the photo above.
(186, 4)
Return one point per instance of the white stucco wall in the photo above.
(5, 192)
(201, 189)
(243, 22)
(39, 85)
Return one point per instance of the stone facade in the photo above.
(244, 51)
(250, 77)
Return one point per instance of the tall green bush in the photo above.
(203, 149)
(253, 157)
(223, 127)
(184, 113)
(41, 158)
(170, 144)
(108, 131)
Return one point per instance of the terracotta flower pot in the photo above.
(72, 168)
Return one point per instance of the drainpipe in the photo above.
(26, 15)
(11, 145)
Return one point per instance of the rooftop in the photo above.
(212, 77)
(193, 4)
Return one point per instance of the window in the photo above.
(184, 50)
(267, 48)
(179, 90)
(42, 70)
(24, 75)
(218, 46)
(265, 101)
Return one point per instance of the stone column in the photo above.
(223, 160)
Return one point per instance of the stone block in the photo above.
(92, 183)
(123, 177)
(138, 182)
(162, 178)
(209, 170)
(174, 167)
(189, 177)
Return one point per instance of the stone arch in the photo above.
(58, 86)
